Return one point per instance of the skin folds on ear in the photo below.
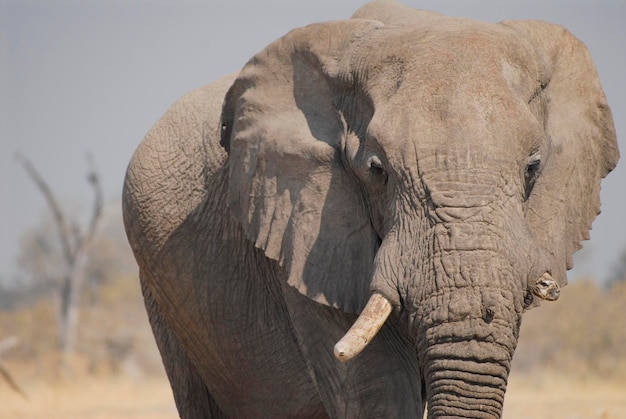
(579, 126)
(288, 187)
(282, 126)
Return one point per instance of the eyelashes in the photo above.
(531, 174)
(376, 173)
(375, 165)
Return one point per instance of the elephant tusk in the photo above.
(547, 288)
(374, 315)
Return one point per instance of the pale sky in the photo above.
(83, 76)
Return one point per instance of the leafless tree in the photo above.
(74, 241)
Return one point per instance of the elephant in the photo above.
(354, 224)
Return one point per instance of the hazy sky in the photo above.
(81, 77)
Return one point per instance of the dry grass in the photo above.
(583, 336)
(549, 397)
(532, 397)
(115, 397)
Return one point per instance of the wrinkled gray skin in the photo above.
(446, 163)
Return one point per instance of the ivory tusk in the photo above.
(374, 315)
(546, 288)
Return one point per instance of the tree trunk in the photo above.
(74, 243)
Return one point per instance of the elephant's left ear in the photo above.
(579, 125)
(282, 127)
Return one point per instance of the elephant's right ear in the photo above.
(578, 122)
(282, 127)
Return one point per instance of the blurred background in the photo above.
(81, 82)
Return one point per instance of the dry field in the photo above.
(585, 337)
(547, 397)
(119, 398)
(125, 398)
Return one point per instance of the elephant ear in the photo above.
(283, 129)
(579, 126)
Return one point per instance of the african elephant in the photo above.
(353, 225)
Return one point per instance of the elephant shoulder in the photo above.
(198, 114)
(190, 127)
(168, 174)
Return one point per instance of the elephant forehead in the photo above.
(454, 84)
(428, 56)
(478, 128)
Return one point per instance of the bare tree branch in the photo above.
(74, 241)
(94, 181)
(59, 218)
(5, 345)
(4, 373)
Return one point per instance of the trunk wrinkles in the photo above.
(458, 257)
(467, 309)
(468, 320)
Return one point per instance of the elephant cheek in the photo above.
(387, 273)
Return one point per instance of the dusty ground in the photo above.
(119, 398)
(541, 397)
(125, 398)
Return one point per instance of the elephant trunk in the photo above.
(468, 339)
(466, 380)
(462, 284)
(467, 314)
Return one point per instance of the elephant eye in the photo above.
(375, 166)
(376, 169)
(533, 168)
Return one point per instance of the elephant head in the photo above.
(445, 167)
